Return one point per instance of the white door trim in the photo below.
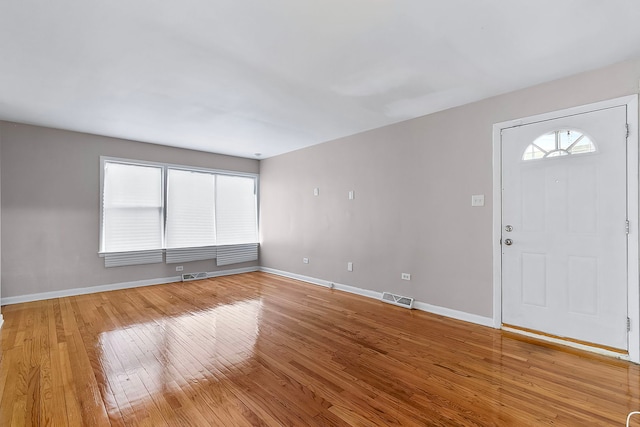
(633, 274)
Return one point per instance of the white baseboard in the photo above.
(90, 290)
(454, 314)
(358, 291)
(231, 272)
(114, 287)
(300, 277)
(442, 311)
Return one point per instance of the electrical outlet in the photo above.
(179, 268)
(305, 260)
(477, 200)
(349, 266)
(405, 276)
(316, 191)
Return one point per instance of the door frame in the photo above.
(633, 183)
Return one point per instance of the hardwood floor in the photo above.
(258, 349)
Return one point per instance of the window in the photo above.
(236, 200)
(189, 218)
(190, 209)
(559, 143)
(132, 207)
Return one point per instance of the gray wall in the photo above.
(412, 211)
(413, 182)
(50, 201)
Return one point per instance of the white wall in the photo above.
(413, 183)
(50, 201)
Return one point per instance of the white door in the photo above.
(564, 235)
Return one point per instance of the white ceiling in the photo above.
(242, 77)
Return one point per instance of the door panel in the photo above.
(565, 273)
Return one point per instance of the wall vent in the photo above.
(394, 299)
(193, 276)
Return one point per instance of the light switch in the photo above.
(316, 191)
(477, 200)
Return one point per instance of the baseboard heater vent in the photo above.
(193, 276)
(394, 299)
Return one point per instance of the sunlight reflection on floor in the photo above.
(162, 356)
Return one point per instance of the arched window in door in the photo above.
(559, 143)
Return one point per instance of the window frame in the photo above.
(557, 149)
(164, 186)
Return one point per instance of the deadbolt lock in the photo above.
(508, 228)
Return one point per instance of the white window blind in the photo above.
(190, 209)
(200, 213)
(132, 207)
(118, 259)
(236, 210)
(177, 255)
(233, 254)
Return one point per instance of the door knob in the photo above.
(508, 242)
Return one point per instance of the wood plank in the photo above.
(262, 350)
